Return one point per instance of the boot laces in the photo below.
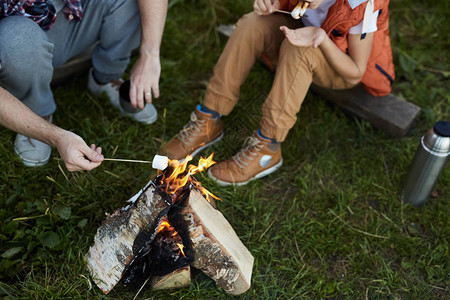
(191, 129)
(252, 146)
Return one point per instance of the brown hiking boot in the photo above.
(202, 131)
(259, 157)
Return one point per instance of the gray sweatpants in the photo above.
(28, 54)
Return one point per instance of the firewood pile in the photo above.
(169, 227)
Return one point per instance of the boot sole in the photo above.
(193, 154)
(149, 121)
(34, 164)
(259, 175)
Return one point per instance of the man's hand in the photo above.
(305, 36)
(265, 7)
(144, 79)
(76, 154)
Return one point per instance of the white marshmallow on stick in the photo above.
(159, 162)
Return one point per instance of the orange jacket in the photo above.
(379, 74)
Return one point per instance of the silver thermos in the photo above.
(428, 163)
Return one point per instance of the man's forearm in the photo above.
(153, 17)
(18, 117)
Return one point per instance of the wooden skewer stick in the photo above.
(159, 162)
(129, 160)
(282, 11)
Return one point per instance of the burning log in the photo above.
(217, 250)
(121, 237)
(170, 226)
(162, 257)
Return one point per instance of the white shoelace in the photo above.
(252, 145)
(191, 129)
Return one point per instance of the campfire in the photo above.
(177, 178)
(171, 225)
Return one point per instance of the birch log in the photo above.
(177, 279)
(216, 248)
(121, 236)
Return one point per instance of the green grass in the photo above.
(329, 224)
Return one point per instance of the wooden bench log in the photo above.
(389, 113)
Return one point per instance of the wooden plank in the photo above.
(217, 250)
(388, 113)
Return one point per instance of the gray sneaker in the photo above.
(148, 115)
(33, 153)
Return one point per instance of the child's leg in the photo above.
(297, 68)
(261, 155)
(253, 35)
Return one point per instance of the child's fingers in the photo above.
(284, 29)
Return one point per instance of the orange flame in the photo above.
(175, 178)
(207, 194)
(181, 246)
(180, 176)
(165, 225)
(203, 164)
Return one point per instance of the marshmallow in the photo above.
(299, 10)
(160, 162)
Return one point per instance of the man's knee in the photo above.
(24, 47)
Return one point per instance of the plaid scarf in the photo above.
(41, 11)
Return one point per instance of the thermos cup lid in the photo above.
(442, 128)
(124, 102)
(437, 139)
(124, 91)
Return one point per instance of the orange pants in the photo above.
(297, 67)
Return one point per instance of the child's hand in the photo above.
(265, 7)
(304, 37)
